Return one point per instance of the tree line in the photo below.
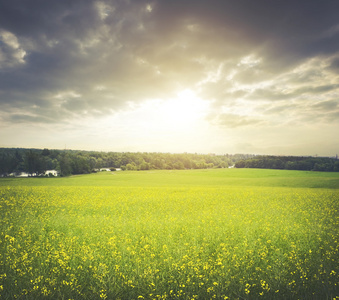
(291, 163)
(71, 162)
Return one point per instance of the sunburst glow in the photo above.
(180, 114)
(156, 76)
(182, 111)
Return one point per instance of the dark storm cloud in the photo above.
(69, 57)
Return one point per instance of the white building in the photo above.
(23, 174)
(51, 172)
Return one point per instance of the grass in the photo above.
(207, 177)
(200, 234)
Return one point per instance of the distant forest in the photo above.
(70, 162)
(14, 161)
(291, 163)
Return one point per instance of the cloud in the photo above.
(11, 52)
(306, 93)
(329, 105)
(234, 121)
(54, 55)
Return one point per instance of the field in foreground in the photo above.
(203, 234)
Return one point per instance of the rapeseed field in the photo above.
(168, 241)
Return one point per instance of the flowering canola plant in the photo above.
(220, 242)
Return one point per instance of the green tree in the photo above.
(65, 164)
(131, 167)
(144, 166)
(34, 163)
(45, 152)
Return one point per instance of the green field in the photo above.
(196, 234)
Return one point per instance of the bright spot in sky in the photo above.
(173, 124)
(157, 118)
(177, 115)
(183, 111)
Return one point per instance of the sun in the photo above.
(183, 111)
(171, 120)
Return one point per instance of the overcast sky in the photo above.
(227, 76)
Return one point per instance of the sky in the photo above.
(216, 76)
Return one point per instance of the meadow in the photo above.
(193, 234)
